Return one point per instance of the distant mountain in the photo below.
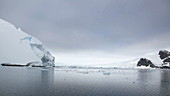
(18, 47)
(132, 63)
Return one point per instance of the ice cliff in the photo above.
(19, 47)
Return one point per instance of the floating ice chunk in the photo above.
(106, 73)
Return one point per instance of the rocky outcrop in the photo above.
(164, 67)
(145, 62)
(17, 65)
(164, 54)
(167, 60)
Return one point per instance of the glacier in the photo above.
(18, 47)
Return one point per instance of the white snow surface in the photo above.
(12, 50)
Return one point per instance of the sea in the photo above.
(83, 81)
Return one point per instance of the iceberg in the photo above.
(18, 47)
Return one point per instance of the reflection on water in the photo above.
(25, 81)
(47, 81)
(165, 82)
(149, 80)
(16, 81)
(143, 79)
(143, 76)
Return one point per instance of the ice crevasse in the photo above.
(18, 47)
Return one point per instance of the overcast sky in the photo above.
(109, 28)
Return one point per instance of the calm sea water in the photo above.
(25, 81)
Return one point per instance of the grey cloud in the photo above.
(106, 25)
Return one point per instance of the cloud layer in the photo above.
(126, 27)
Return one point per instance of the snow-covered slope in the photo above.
(15, 45)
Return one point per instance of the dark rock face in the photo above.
(167, 60)
(17, 65)
(145, 62)
(165, 67)
(164, 54)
